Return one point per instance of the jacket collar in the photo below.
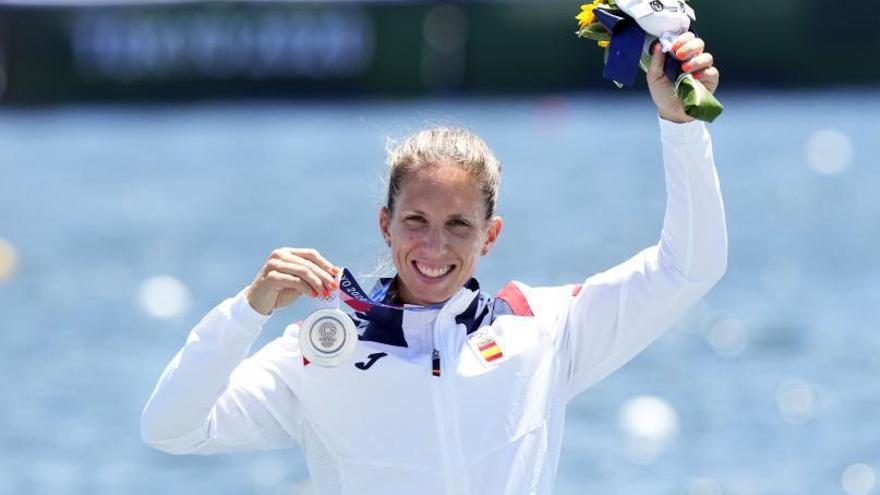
(385, 325)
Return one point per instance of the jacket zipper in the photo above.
(447, 427)
(435, 363)
(441, 421)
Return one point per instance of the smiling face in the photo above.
(437, 232)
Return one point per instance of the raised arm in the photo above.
(619, 312)
(211, 399)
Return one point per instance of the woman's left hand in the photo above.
(689, 49)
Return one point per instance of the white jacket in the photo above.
(488, 424)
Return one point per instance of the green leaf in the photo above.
(645, 61)
(696, 100)
(595, 31)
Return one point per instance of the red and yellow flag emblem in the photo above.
(490, 351)
(485, 345)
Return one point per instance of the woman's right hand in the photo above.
(288, 274)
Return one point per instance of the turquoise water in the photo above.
(773, 380)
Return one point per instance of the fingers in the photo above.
(698, 63)
(710, 73)
(709, 77)
(658, 59)
(328, 281)
(314, 256)
(289, 282)
(702, 67)
(307, 265)
(681, 40)
(299, 270)
(686, 47)
(689, 49)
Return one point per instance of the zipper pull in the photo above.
(435, 360)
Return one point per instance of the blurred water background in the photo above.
(121, 226)
(153, 153)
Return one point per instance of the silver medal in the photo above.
(328, 336)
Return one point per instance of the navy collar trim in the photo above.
(385, 326)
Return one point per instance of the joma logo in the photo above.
(371, 359)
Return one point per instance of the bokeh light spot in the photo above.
(163, 297)
(797, 401)
(8, 259)
(649, 423)
(728, 337)
(445, 28)
(858, 479)
(443, 59)
(829, 151)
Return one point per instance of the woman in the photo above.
(467, 394)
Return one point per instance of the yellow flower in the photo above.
(603, 43)
(587, 17)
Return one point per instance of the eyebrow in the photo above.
(458, 216)
(454, 216)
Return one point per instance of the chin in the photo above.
(430, 295)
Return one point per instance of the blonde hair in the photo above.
(444, 145)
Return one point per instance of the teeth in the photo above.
(433, 272)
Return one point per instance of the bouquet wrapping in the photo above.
(627, 29)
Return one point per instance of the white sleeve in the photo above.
(618, 313)
(211, 399)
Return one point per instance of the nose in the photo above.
(435, 241)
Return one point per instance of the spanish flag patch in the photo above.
(485, 345)
(491, 351)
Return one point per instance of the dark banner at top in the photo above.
(253, 50)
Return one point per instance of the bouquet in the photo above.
(627, 29)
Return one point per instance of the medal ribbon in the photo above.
(358, 299)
